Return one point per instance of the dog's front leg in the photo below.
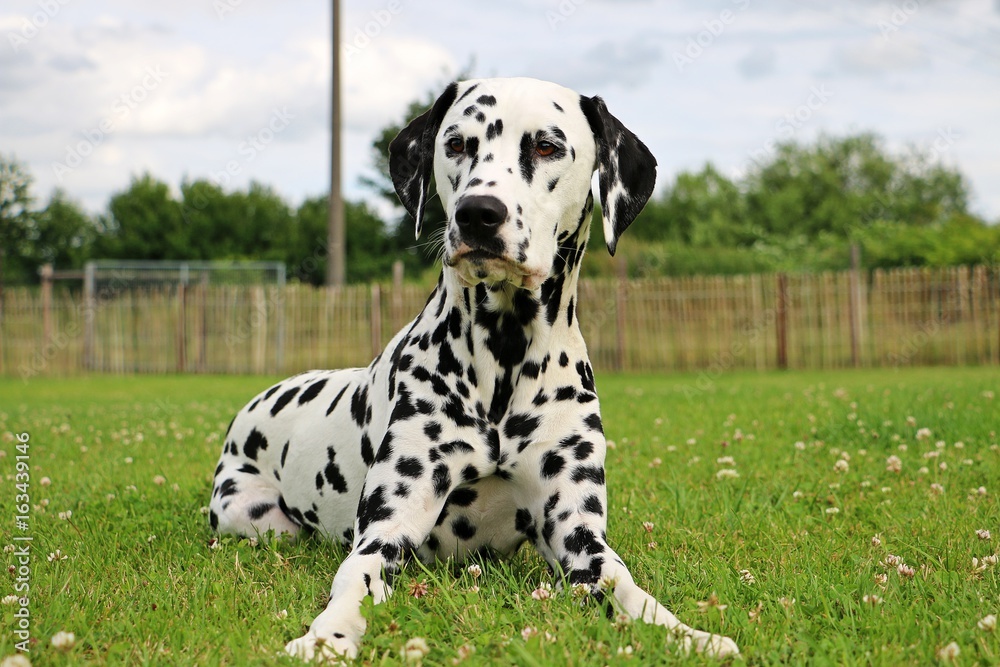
(405, 491)
(568, 526)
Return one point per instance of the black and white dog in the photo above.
(479, 426)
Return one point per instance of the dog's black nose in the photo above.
(480, 216)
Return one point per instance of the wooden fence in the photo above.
(811, 321)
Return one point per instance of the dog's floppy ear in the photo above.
(411, 156)
(626, 169)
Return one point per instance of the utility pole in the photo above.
(335, 251)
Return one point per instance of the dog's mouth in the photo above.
(474, 266)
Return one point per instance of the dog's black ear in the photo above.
(626, 169)
(411, 156)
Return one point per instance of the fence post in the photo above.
(182, 320)
(279, 359)
(621, 321)
(89, 313)
(781, 320)
(376, 319)
(45, 271)
(854, 305)
(203, 314)
(397, 295)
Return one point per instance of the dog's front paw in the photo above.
(310, 647)
(715, 646)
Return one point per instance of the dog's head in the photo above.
(513, 160)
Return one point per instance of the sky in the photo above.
(95, 92)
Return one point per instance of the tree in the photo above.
(62, 234)
(703, 208)
(841, 185)
(371, 248)
(15, 218)
(143, 222)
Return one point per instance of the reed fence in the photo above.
(889, 318)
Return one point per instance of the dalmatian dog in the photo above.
(478, 427)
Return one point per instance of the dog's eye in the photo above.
(545, 148)
(456, 145)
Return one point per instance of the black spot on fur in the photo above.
(441, 479)
(582, 539)
(312, 391)
(332, 471)
(552, 464)
(359, 405)
(520, 426)
(432, 430)
(336, 399)
(526, 158)
(227, 488)
(372, 509)
(593, 422)
(594, 474)
(407, 466)
(593, 505)
(494, 129)
(283, 400)
(523, 523)
(256, 442)
(566, 393)
(463, 496)
(463, 529)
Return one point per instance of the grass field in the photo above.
(778, 552)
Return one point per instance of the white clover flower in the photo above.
(727, 473)
(983, 534)
(893, 464)
(841, 466)
(543, 592)
(63, 640)
(725, 461)
(949, 653)
(415, 649)
(474, 570)
(873, 600)
(747, 577)
(937, 489)
(987, 623)
(648, 526)
(876, 540)
(832, 510)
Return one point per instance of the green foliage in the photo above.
(60, 234)
(801, 209)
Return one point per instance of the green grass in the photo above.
(131, 598)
